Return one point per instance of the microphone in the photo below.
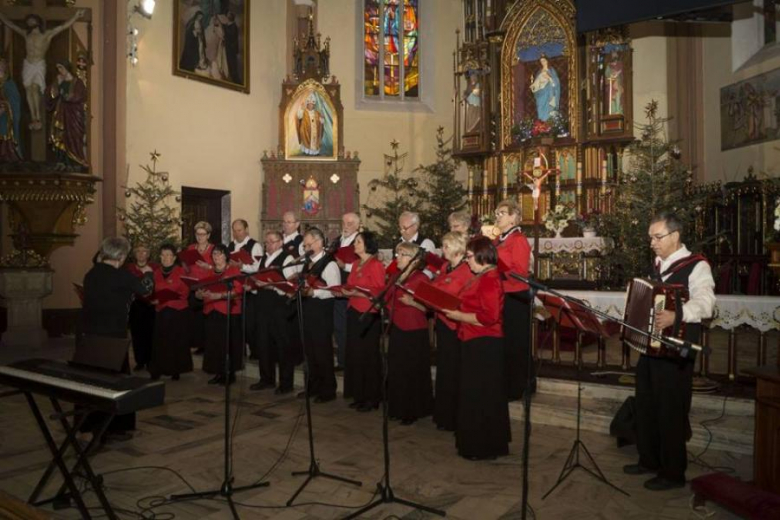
(688, 349)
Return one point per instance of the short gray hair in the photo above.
(114, 248)
(414, 217)
(460, 216)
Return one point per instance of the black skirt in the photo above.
(141, 321)
(409, 388)
(363, 370)
(171, 346)
(197, 324)
(216, 339)
(445, 411)
(517, 343)
(482, 429)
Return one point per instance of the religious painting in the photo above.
(566, 162)
(749, 111)
(613, 79)
(311, 197)
(211, 42)
(538, 60)
(309, 122)
(472, 104)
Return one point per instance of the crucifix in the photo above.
(537, 175)
(38, 27)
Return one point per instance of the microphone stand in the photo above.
(226, 490)
(573, 459)
(384, 489)
(314, 467)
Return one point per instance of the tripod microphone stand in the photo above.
(384, 489)
(226, 490)
(314, 468)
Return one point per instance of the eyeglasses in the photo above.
(271, 241)
(469, 255)
(658, 238)
(202, 233)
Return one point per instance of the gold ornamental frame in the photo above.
(563, 12)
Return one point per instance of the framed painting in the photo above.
(211, 42)
(310, 120)
(749, 112)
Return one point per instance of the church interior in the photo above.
(171, 123)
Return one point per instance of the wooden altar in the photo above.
(309, 172)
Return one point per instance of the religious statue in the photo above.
(10, 114)
(473, 102)
(66, 101)
(310, 126)
(547, 90)
(34, 67)
(613, 77)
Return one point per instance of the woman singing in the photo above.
(202, 269)
(141, 319)
(218, 316)
(409, 391)
(454, 275)
(171, 345)
(482, 430)
(363, 373)
(514, 256)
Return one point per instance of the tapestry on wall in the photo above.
(211, 42)
(749, 111)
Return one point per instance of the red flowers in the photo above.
(540, 128)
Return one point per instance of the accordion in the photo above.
(644, 300)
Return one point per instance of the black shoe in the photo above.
(355, 404)
(262, 385)
(323, 399)
(481, 457)
(663, 484)
(232, 380)
(365, 407)
(408, 422)
(175, 377)
(200, 350)
(215, 380)
(338, 369)
(282, 391)
(636, 469)
(302, 394)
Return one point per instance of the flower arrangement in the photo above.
(556, 126)
(558, 218)
(590, 221)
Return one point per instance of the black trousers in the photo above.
(517, 343)
(663, 401)
(445, 411)
(262, 346)
(318, 338)
(141, 321)
(251, 327)
(363, 372)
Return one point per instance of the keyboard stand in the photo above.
(58, 453)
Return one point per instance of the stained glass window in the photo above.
(391, 70)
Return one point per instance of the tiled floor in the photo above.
(270, 440)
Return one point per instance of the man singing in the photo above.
(663, 385)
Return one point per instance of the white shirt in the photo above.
(286, 272)
(257, 253)
(330, 275)
(426, 244)
(290, 238)
(701, 287)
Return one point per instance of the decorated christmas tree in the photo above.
(389, 196)
(441, 193)
(149, 218)
(654, 181)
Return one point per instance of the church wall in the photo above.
(650, 68)
(732, 165)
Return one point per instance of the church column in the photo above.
(685, 87)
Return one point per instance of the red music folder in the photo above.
(346, 255)
(433, 297)
(433, 262)
(164, 296)
(242, 256)
(284, 286)
(270, 276)
(189, 256)
(338, 290)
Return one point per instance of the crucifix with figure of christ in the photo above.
(537, 175)
(37, 26)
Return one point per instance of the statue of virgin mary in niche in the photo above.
(546, 89)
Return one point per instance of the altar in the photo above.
(575, 261)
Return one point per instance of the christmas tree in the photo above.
(655, 180)
(148, 217)
(397, 194)
(441, 193)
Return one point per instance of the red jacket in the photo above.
(483, 296)
(514, 255)
(172, 283)
(371, 276)
(452, 283)
(198, 272)
(221, 304)
(406, 317)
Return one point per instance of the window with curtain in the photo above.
(391, 50)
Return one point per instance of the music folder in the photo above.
(164, 296)
(189, 256)
(433, 297)
(346, 255)
(242, 257)
(573, 315)
(338, 290)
